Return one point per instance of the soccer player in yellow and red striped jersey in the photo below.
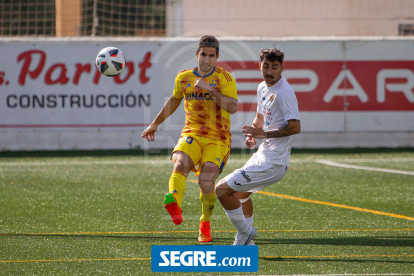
(210, 96)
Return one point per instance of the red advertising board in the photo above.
(337, 85)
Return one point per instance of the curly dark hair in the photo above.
(272, 54)
(208, 41)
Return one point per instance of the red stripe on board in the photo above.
(249, 80)
(298, 81)
(247, 92)
(247, 107)
(397, 80)
(74, 125)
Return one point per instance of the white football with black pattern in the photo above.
(110, 61)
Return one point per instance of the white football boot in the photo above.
(246, 239)
(250, 243)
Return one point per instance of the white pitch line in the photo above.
(243, 161)
(378, 160)
(387, 274)
(109, 162)
(340, 165)
(84, 163)
(354, 160)
(163, 161)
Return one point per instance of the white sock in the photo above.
(236, 217)
(250, 220)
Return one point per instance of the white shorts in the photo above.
(255, 175)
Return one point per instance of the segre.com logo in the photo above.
(210, 258)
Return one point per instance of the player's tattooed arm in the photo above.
(290, 128)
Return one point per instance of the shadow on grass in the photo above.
(229, 241)
(358, 241)
(192, 240)
(343, 241)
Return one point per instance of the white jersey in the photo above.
(278, 104)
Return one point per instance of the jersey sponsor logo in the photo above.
(238, 184)
(197, 96)
(243, 173)
(212, 83)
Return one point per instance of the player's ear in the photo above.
(260, 65)
(196, 53)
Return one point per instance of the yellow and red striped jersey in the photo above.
(204, 117)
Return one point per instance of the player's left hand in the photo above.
(201, 84)
(253, 131)
(250, 142)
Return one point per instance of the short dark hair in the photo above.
(272, 54)
(208, 41)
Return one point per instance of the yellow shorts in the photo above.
(202, 149)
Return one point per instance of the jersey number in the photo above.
(189, 140)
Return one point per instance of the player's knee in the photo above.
(207, 178)
(182, 162)
(179, 166)
(206, 185)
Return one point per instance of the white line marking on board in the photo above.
(340, 165)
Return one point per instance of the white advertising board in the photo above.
(351, 93)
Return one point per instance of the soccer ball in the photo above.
(110, 61)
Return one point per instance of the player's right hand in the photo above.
(148, 133)
(250, 142)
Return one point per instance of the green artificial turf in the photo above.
(100, 215)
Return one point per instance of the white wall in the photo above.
(283, 18)
(375, 78)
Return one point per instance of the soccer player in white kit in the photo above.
(277, 119)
